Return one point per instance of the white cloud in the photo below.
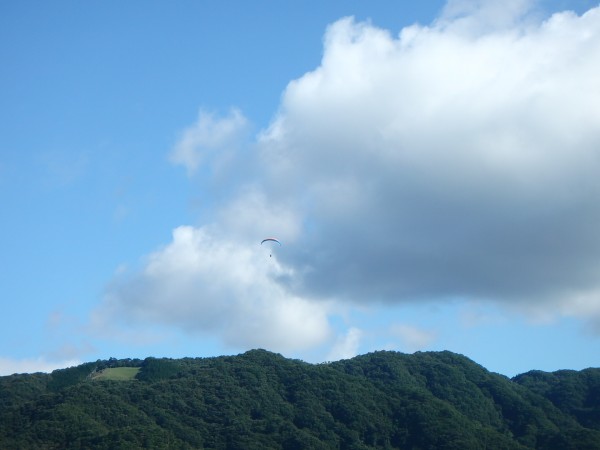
(346, 346)
(444, 164)
(584, 305)
(210, 140)
(412, 338)
(251, 215)
(9, 366)
(481, 16)
(205, 283)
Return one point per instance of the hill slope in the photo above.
(261, 400)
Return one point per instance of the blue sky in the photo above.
(431, 170)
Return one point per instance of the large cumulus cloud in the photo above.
(450, 161)
(458, 160)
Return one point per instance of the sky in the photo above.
(430, 169)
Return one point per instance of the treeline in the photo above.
(261, 400)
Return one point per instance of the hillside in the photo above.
(261, 400)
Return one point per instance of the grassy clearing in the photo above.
(117, 374)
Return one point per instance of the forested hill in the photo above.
(261, 400)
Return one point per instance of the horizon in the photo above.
(373, 351)
(434, 352)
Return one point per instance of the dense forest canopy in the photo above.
(261, 400)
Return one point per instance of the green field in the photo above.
(117, 374)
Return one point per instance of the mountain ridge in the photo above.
(260, 399)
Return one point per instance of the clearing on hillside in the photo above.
(116, 373)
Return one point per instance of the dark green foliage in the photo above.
(153, 369)
(60, 379)
(261, 400)
(575, 393)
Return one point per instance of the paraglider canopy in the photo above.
(269, 240)
(272, 241)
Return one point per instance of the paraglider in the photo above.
(273, 240)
